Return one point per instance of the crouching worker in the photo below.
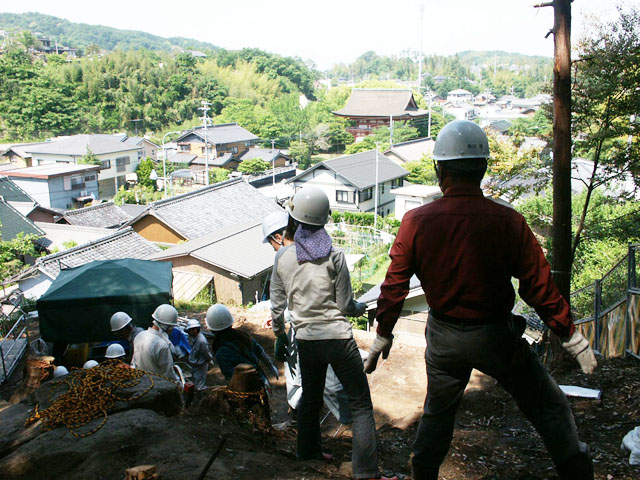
(116, 353)
(152, 351)
(232, 346)
(311, 278)
(122, 326)
(200, 355)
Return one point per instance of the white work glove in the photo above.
(579, 348)
(381, 345)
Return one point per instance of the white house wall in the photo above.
(107, 176)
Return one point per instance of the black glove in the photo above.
(280, 347)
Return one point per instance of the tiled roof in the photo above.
(51, 170)
(77, 145)
(387, 102)
(221, 134)
(237, 249)
(104, 215)
(132, 209)
(13, 222)
(12, 192)
(373, 294)
(122, 244)
(413, 150)
(211, 208)
(266, 154)
(182, 157)
(359, 169)
(58, 234)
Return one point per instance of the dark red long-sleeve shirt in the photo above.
(465, 249)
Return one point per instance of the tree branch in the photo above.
(546, 4)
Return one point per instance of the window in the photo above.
(77, 182)
(185, 147)
(343, 196)
(105, 164)
(121, 163)
(90, 178)
(382, 189)
(234, 149)
(396, 183)
(366, 195)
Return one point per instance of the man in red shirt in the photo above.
(465, 249)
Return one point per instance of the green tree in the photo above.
(604, 110)
(12, 254)
(217, 175)
(421, 172)
(299, 152)
(89, 158)
(254, 165)
(144, 172)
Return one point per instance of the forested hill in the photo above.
(81, 35)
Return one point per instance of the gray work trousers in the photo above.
(452, 351)
(343, 355)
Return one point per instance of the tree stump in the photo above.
(36, 370)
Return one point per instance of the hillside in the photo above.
(81, 35)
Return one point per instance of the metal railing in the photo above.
(14, 342)
(609, 308)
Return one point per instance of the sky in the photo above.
(328, 32)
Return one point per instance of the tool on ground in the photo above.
(213, 457)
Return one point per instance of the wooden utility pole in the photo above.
(562, 256)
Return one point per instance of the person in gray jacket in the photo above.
(200, 355)
(311, 278)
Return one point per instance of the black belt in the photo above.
(471, 322)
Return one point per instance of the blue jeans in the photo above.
(344, 358)
(452, 351)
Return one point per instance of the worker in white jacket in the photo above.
(153, 348)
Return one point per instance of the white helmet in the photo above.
(193, 323)
(310, 205)
(274, 223)
(166, 314)
(90, 364)
(461, 139)
(119, 320)
(114, 350)
(60, 371)
(219, 317)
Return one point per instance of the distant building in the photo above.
(410, 151)
(459, 96)
(414, 196)
(372, 108)
(350, 181)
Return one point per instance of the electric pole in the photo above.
(273, 171)
(562, 254)
(205, 121)
(420, 52)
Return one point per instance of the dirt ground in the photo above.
(492, 439)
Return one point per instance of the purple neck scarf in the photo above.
(312, 243)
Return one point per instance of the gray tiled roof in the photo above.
(77, 145)
(12, 192)
(237, 249)
(13, 222)
(220, 161)
(359, 169)
(122, 244)
(182, 157)
(132, 209)
(105, 215)
(266, 154)
(365, 102)
(221, 134)
(211, 208)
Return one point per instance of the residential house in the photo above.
(413, 317)
(103, 215)
(200, 212)
(121, 244)
(47, 46)
(117, 158)
(413, 196)
(58, 185)
(350, 181)
(372, 108)
(17, 156)
(227, 138)
(22, 201)
(12, 222)
(410, 151)
(459, 96)
(60, 236)
(233, 258)
(149, 149)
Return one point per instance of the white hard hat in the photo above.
(193, 323)
(461, 139)
(60, 371)
(114, 350)
(119, 320)
(274, 223)
(90, 364)
(219, 317)
(310, 205)
(166, 314)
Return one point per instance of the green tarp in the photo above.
(79, 303)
